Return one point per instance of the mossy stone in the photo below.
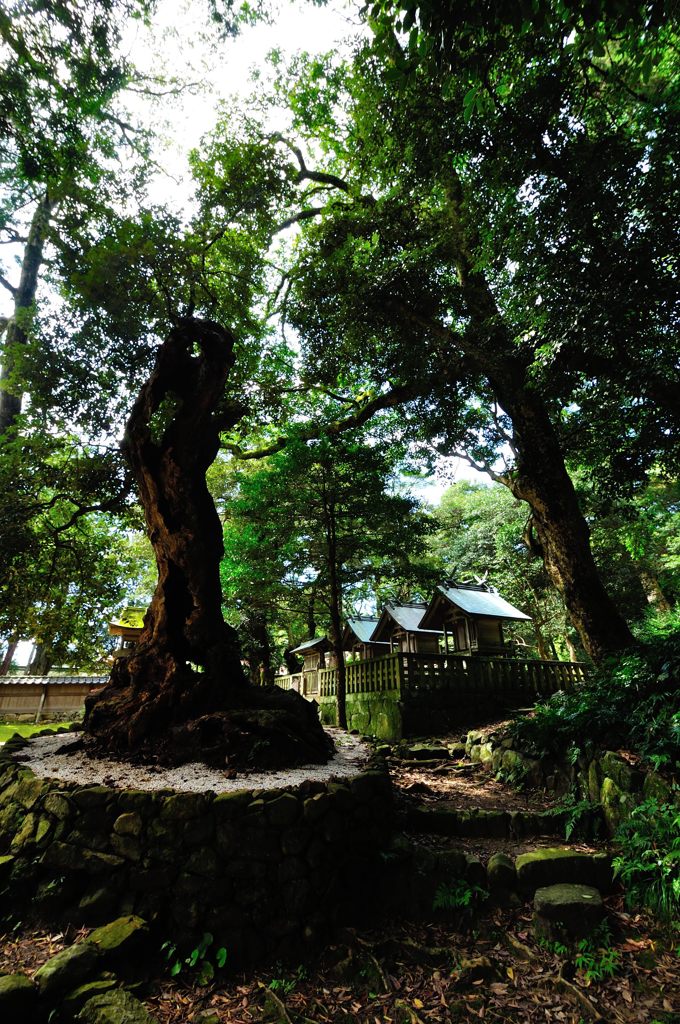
(563, 912)
(616, 804)
(428, 752)
(67, 969)
(91, 798)
(127, 847)
(6, 864)
(18, 998)
(656, 788)
(97, 903)
(486, 754)
(557, 865)
(24, 836)
(295, 840)
(57, 805)
(228, 806)
(74, 1001)
(315, 807)
(115, 1007)
(27, 791)
(128, 824)
(184, 806)
(628, 779)
(501, 873)
(282, 811)
(120, 938)
(204, 862)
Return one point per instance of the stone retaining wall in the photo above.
(605, 778)
(393, 715)
(267, 872)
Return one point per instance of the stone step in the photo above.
(479, 823)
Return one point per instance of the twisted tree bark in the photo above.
(182, 694)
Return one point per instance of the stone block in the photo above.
(127, 847)
(91, 798)
(655, 787)
(72, 1003)
(315, 807)
(627, 778)
(58, 805)
(566, 912)
(128, 824)
(121, 939)
(556, 865)
(295, 840)
(616, 804)
(27, 791)
(282, 811)
(501, 873)
(18, 998)
(115, 1007)
(68, 969)
(184, 806)
(475, 872)
(204, 862)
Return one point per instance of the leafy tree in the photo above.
(457, 255)
(61, 71)
(323, 516)
(480, 536)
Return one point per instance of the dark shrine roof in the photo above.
(319, 643)
(476, 600)
(406, 616)
(362, 627)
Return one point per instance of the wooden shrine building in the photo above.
(471, 618)
(356, 639)
(399, 626)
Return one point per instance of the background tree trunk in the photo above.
(182, 694)
(24, 297)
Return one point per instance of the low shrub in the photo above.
(632, 701)
(649, 860)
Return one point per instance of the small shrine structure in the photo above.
(400, 627)
(471, 617)
(356, 639)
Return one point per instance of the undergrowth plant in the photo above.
(458, 895)
(648, 863)
(594, 956)
(632, 701)
(198, 959)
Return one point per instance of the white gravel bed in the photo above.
(42, 757)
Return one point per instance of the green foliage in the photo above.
(480, 534)
(632, 701)
(594, 956)
(581, 817)
(458, 895)
(648, 863)
(199, 960)
(320, 514)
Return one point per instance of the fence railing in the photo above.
(414, 674)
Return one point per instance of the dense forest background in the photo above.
(449, 237)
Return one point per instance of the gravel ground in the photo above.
(58, 757)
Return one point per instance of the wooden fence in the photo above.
(416, 674)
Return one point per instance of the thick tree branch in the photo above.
(397, 395)
(305, 173)
(6, 284)
(314, 211)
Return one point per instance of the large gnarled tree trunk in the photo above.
(182, 695)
